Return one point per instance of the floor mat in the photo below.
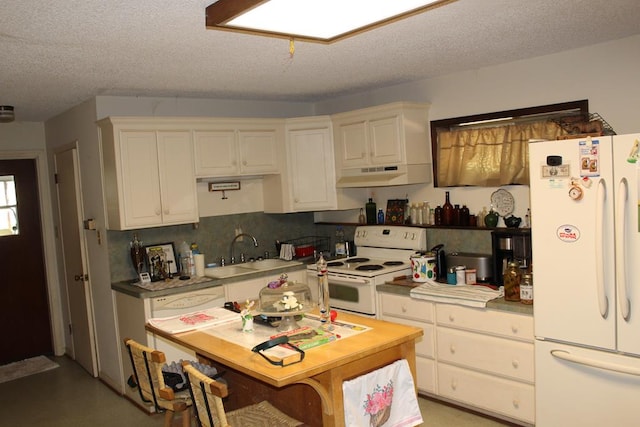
(25, 368)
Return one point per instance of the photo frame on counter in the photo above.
(395, 211)
(160, 258)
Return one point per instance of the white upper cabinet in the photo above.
(383, 145)
(366, 142)
(308, 182)
(231, 147)
(148, 176)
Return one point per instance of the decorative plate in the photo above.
(502, 202)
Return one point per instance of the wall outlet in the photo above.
(238, 232)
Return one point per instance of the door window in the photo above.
(8, 206)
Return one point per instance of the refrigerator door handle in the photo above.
(603, 303)
(621, 244)
(565, 355)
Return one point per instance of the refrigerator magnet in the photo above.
(575, 191)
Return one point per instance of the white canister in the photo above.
(461, 275)
(423, 267)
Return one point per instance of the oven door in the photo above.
(350, 293)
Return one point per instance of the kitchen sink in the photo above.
(248, 268)
(227, 271)
(270, 264)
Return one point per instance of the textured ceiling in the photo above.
(57, 54)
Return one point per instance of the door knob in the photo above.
(81, 277)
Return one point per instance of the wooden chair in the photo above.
(147, 369)
(207, 395)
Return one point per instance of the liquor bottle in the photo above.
(447, 211)
(370, 208)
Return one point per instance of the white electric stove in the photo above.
(383, 253)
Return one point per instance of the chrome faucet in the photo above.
(233, 243)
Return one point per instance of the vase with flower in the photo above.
(247, 317)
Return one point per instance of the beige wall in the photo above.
(605, 74)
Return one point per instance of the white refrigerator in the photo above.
(586, 269)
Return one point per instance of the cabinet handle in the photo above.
(454, 384)
(244, 163)
(515, 363)
(516, 403)
(404, 309)
(514, 329)
(158, 212)
(451, 318)
(452, 349)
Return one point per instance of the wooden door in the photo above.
(23, 286)
(76, 278)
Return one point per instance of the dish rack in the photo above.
(320, 243)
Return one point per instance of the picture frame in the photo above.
(160, 258)
(395, 211)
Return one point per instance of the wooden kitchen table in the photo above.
(311, 390)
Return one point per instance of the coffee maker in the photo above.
(513, 244)
(441, 262)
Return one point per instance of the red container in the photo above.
(304, 251)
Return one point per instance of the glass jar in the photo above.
(526, 289)
(511, 280)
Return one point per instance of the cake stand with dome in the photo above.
(285, 300)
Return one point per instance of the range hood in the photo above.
(381, 176)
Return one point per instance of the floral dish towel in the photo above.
(382, 398)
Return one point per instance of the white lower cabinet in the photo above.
(479, 358)
(400, 309)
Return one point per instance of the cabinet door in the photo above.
(385, 141)
(177, 180)
(215, 153)
(140, 189)
(258, 152)
(311, 160)
(353, 144)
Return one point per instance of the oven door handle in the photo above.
(340, 279)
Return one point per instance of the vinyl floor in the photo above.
(68, 397)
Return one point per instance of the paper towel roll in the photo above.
(199, 261)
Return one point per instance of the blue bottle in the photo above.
(380, 216)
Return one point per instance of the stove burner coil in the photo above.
(392, 263)
(355, 260)
(369, 267)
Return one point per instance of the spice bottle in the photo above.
(361, 219)
(380, 216)
(526, 289)
(511, 279)
(437, 216)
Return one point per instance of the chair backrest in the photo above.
(207, 394)
(147, 369)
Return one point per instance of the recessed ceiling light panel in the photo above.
(316, 20)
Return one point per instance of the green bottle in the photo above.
(371, 211)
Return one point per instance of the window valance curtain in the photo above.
(490, 156)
